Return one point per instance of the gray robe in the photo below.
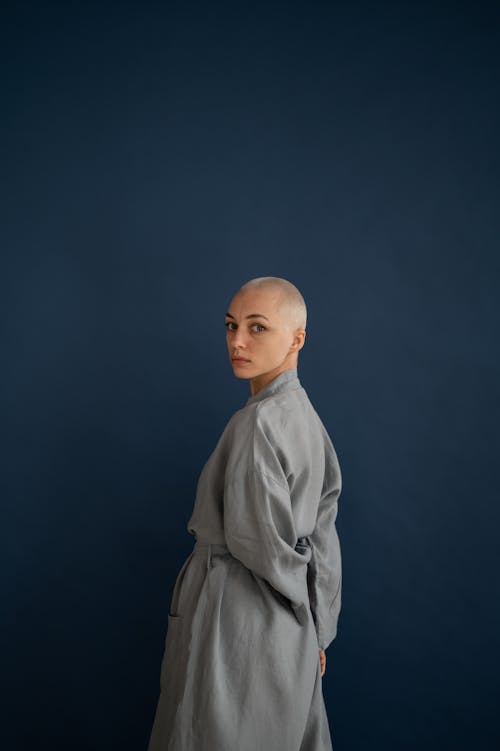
(253, 604)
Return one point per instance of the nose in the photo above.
(237, 339)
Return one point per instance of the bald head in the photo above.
(289, 300)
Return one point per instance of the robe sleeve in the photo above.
(324, 575)
(259, 526)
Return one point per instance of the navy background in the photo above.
(155, 156)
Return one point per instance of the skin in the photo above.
(270, 342)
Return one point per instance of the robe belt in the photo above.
(210, 548)
(219, 548)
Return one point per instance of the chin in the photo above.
(242, 370)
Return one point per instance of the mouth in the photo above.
(239, 359)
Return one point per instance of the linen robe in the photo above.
(252, 604)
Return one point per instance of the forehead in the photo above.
(260, 300)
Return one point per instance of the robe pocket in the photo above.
(173, 639)
(173, 654)
(175, 622)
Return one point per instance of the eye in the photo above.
(228, 324)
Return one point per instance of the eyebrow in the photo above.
(252, 315)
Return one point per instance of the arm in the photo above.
(259, 525)
(324, 576)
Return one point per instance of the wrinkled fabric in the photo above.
(260, 593)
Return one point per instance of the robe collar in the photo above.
(288, 379)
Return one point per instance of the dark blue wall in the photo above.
(155, 157)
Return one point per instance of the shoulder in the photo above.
(252, 450)
(281, 411)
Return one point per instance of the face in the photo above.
(257, 330)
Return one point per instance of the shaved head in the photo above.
(290, 301)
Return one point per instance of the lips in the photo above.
(239, 359)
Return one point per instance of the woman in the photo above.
(257, 601)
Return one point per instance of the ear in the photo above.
(298, 339)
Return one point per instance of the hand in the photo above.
(322, 661)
